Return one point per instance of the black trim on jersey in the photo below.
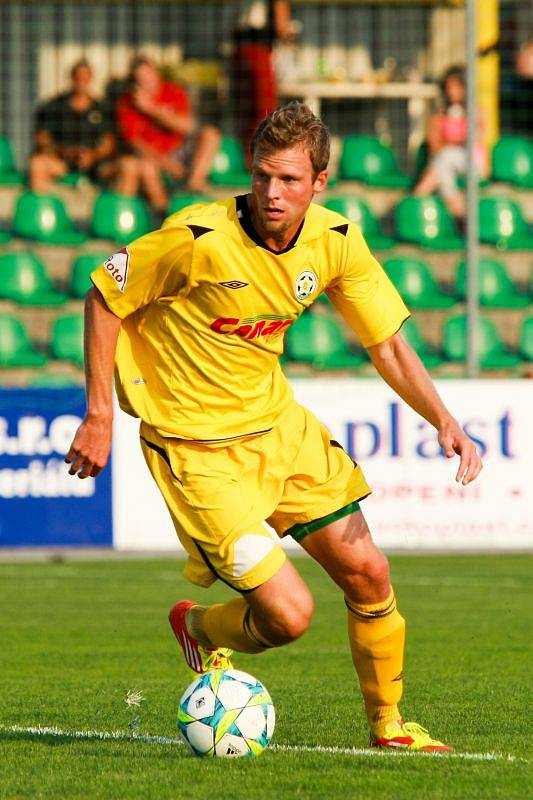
(335, 443)
(245, 219)
(198, 230)
(341, 229)
(163, 455)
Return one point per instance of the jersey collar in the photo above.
(245, 220)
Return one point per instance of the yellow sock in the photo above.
(226, 625)
(377, 635)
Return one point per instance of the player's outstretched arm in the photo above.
(400, 367)
(91, 445)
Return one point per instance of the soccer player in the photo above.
(193, 316)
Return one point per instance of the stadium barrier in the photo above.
(416, 503)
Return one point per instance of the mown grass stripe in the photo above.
(123, 736)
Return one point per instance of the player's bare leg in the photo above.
(276, 613)
(376, 630)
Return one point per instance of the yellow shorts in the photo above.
(295, 476)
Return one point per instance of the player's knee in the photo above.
(292, 620)
(372, 573)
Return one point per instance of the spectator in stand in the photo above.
(160, 137)
(447, 145)
(261, 23)
(73, 134)
(522, 91)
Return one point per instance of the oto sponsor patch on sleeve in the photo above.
(117, 266)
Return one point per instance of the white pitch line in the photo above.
(123, 736)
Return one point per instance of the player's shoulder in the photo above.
(205, 217)
(322, 222)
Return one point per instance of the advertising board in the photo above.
(40, 503)
(416, 503)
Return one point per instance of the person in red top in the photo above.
(160, 137)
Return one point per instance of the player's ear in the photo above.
(321, 181)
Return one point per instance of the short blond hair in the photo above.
(289, 126)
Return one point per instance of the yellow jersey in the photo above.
(205, 306)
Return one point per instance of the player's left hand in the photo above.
(454, 440)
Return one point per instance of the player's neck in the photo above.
(276, 242)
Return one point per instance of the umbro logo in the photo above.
(232, 284)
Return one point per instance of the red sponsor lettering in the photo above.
(110, 267)
(230, 326)
(221, 323)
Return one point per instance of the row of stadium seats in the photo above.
(316, 338)
(363, 158)
(319, 340)
(424, 221)
(17, 350)
(24, 280)
(367, 159)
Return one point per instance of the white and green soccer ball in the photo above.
(226, 713)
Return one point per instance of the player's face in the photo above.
(283, 185)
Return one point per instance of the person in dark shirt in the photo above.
(73, 134)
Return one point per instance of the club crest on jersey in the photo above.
(117, 266)
(305, 285)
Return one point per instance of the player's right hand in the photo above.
(90, 447)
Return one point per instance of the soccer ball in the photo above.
(225, 713)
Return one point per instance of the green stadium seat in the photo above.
(416, 283)
(501, 223)
(43, 218)
(492, 351)
(180, 201)
(496, 289)
(67, 339)
(120, 218)
(82, 266)
(410, 331)
(526, 339)
(9, 175)
(229, 166)
(73, 179)
(366, 159)
(356, 210)
(318, 340)
(23, 279)
(512, 161)
(16, 350)
(427, 222)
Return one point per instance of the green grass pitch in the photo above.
(75, 637)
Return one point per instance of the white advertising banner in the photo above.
(416, 503)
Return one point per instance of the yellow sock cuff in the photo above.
(372, 611)
(232, 625)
